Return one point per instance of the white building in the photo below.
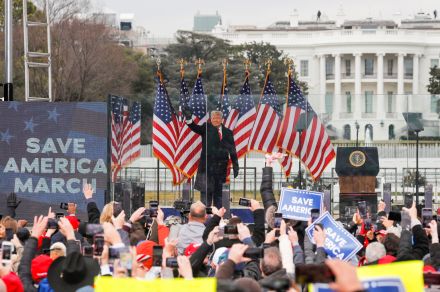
(369, 71)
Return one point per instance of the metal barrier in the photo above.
(158, 183)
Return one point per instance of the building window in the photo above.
(329, 102)
(390, 65)
(434, 63)
(391, 134)
(368, 101)
(390, 102)
(435, 103)
(304, 65)
(347, 68)
(369, 66)
(348, 101)
(329, 68)
(368, 133)
(347, 132)
(408, 67)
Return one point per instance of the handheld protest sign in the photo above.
(397, 276)
(297, 204)
(339, 243)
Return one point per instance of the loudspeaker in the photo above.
(328, 201)
(428, 196)
(137, 196)
(226, 200)
(387, 196)
(122, 194)
(186, 191)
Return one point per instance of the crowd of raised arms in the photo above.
(58, 252)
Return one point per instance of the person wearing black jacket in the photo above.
(412, 231)
(31, 248)
(218, 146)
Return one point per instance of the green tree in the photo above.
(434, 80)
(17, 10)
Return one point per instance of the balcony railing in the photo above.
(349, 75)
(369, 75)
(329, 76)
(390, 76)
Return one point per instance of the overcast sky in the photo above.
(164, 17)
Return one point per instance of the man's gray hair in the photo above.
(374, 252)
(198, 210)
(216, 112)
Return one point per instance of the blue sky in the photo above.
(163, 18)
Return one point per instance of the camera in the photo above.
(314, 213)
(7, 249)
(52, 223)
(362, 207)
(209, 210)
(154, 206)
(254, 253)
(278, 217)
(426, 217)
(88, 251)
(157, 256)
(230, 229)
(182, 206)
(171, 263)
(244, 202)
(117, 209)
(64, 206)
(98, 244)
(113, 253)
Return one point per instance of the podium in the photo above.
(357, 168)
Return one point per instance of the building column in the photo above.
(322, 83)
(380, 91)
(337, 94)
(400, 98)
(357, 85)
(415, 81)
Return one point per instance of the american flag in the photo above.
(183, 100)
(116, 123)
(242, 117)
(126, 133)
(224, 106)
(189, 145)
(316, 149)
(134, 148)
(286, 164)
(265, 130)
(165, 131)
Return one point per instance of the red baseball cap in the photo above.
(144, 253)
(190, 249)
(39, 267)
(13, 283)
(73, 221)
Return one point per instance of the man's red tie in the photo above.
(220, 133)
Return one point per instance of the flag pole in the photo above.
(247, 63)
(159, 74)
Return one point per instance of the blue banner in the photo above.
(296, 204)
(380, 284)
(49, 150)
(339, 243)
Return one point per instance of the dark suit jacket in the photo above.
(215, 153)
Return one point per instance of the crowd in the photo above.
(60, 253)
